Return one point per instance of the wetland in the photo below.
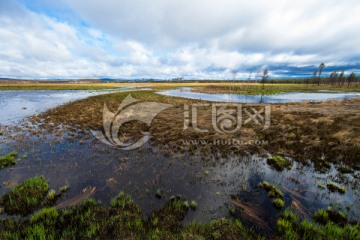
(295, 180)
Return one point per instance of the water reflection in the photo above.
(15, 105)
(277, 98)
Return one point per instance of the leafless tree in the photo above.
(351, 78)
(234, 73)
(333, 77)
(250, 73)
(314, 75)
(341, 78)
(264, 77)
(321, 67)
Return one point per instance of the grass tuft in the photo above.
(278, 203)
(26, 197)
(333, 187)
(272, 190)
(8, 160)
(279, 163)
(193, 205)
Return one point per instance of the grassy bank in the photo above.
(122, 219)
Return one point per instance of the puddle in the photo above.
(16, 105)
(216, 185)
(277, 98)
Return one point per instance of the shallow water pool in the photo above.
(277, 98)
(16, 105)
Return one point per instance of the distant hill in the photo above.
(14, 80)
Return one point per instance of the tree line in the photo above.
(335, 78)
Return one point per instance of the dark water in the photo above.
(211, 182)
(277, 98)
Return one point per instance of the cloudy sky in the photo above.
(194, 39)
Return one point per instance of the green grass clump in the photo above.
(330, 215)
(217, 229)
(170, 215)
(8, 160)
(232, 211)
(278, 203)
(122, 201)
(64, 188)
(193, 205)
(279, 163)
(289, 226)
(186, 204)
(272, 190)
(321, 216)
(333, 187)
(274, 193)
(51, 195)
(159, 193)
(45, 215)
(26, 197)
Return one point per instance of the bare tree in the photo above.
(341, 78)
(321, 67)
(333, 77)
(351, 78)
(315, 75)
(250, 73)
(234, 73)
(264, 77)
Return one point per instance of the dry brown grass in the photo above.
(320, 132)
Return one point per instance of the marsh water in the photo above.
(276, 98)
(210, 182)
(216, 183)
(15, 105)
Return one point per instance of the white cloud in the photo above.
(202, 38)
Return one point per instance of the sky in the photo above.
(162, 39)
